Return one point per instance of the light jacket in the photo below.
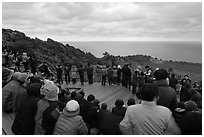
(70, 125)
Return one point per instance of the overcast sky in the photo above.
(105, 21)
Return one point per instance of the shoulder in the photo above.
(132, 108)
(164, 110)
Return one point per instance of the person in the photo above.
(33, 64)
(18, 61)
(44, 69)
(108, 122)
(103, 75)
(14, 92)
(173, 81)
(114, 75)
(47, 106)
(135, 82)
(74, 73)
(91, 117)
(66, 74)
(186, 85)
(84, 107)
(191, 123)
(6, 75)
(81, 74)
(148, 75)
(141, 79)
(167, 95)
(11, 60)
(25, 61)
(119, 71)
(110, 75)
(148, 118)
(89, 71)
(196, 97)
(24, 122)
(119, 109)
(70, 122)
(126, 76)
(59, 74)
(63, 97)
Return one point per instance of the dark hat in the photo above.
(35, 80)
(161, 74)
(78, 97)
(33, 89)
(104, 106)
(119, 102)
(131, 101)
(90, 98)
(7, 74)
(96, 102)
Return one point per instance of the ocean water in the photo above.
(189, 51)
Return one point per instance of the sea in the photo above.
(188, 51)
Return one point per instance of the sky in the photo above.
(105, 21)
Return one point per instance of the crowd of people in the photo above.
(42, 107)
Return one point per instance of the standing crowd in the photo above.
(42, 107)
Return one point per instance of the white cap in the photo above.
(72, 105)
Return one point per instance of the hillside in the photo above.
(54, 53)
(51, 51)
(194, 70)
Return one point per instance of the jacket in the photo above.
(42, 105)
(70, 125)
(12, 96)
(24, 122)
(108, 123)
(167, 95)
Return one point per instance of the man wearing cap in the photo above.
(70, 122)
(167, 95)
(14, 92)
(148, 118)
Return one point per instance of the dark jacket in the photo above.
(184, 95)
(24, 122)
(167, 95)
(49, 118)
(81, 71)
(172, 82)
(108, 123)
(119, 112)
(85, 106)
(89, 70)
(126, 72)
(191, 123)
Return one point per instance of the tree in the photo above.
(106, 54)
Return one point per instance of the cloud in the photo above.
(108, 21)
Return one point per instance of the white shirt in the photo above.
(148, 119)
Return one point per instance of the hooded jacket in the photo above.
(70, 124)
